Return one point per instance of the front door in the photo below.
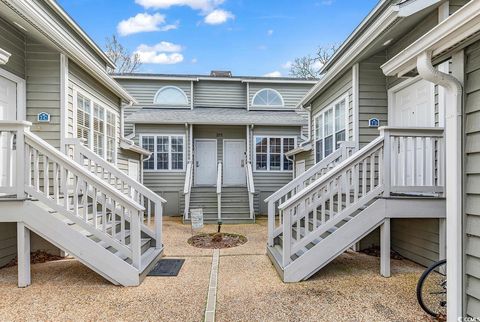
(205, 162)
(8, 111)
(413, 106)
(234, 163)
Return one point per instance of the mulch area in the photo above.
(36, 257)
(217, 240)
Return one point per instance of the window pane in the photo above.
(98, 129)
(339, 137)
(148, 143)
(261, 162)
(83, 118)
(111, 128)
(261, 153)
(340, 116)
(319, 127)
(328, 122)
(162, 152)
(171, 96)
(274, 162)
(261, 145)
(288, 144)
(267, 97)
(318, 150)
(328, 145)
(275, 153)
(177, 152)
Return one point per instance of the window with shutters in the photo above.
(97, 125)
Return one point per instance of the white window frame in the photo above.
(106, 107)
(268, 106)
(170, 87)
(154, 153)
(282, 154)
(322, 113)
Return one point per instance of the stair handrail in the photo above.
(120, 204)
(187, 188)
(294, 186)
(250, 187)
(336, 183)
(122, 182)
(219, 190)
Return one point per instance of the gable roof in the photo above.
(381, 19)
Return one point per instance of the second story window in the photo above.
(170, 96)
(330, 128)
(97, 125)
(267, 97)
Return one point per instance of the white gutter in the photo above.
(180, 77)
(127, 144)
(453, 178)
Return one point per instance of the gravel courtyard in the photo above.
(249, 289)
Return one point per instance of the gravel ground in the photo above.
(350, 288)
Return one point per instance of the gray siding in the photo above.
(291, 93)
(165, 183)
(43, 90)
(231, 94)
(14, 42)
(267, 183)
(220, 133)
(456, 4)
(373, 101)
(472, 180)
(8, 242)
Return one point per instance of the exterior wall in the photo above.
(8, 242)
(472, 181)
(220, 133)
(373, 101)
(167, 184)
(267, 183)
(14, 42)
(456, 4)
(231, 94)
(291, 93)
(43, 90)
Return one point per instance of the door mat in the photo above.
(167, 267)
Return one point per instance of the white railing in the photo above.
(187, 188)
(219, 191)
(416, 160)
(152, 202)
(290, 189)
(400, 160)
(330, 199)
(85, 199)
(12, 158)
(250, 188)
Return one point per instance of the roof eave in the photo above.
(462, 24)
(129, 145)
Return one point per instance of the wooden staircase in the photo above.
(86, 207)
(325, 211)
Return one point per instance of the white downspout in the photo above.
(306, 139)
(453, 178)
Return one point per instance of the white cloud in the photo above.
(287, 65)
(162, 53)
(218, 16)
(163, 46)
(194, 60)
(270, 32)
(203, 5)
(273, 74)
(143, 22)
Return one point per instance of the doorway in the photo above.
(234, 163)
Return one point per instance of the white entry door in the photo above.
(8, 111)
(299, 168)
(134, 170)
(413, 106)
(234, 163)
(205, 162)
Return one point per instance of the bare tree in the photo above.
(308, 66)
(124, 61)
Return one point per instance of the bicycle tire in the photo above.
(420, 284)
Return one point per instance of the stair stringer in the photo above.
(88, 252)
(335, 244)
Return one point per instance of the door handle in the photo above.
(242, 163)
(196, 163)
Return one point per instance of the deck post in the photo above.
(385, 248)
(23, 245)
(387, 163)
(442, 238)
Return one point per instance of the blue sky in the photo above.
(248, 37)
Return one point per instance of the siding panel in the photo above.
(231, 94)
(14, 42)
(291, 93)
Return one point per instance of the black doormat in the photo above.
(167, 267)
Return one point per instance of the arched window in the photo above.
(170, 95)
(267, 97)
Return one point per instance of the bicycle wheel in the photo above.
(432, 289)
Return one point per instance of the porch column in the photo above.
(23, 245)
(385, 248)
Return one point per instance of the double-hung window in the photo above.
(168, 152)
(97, 125)
(330, 128)
(270, 153)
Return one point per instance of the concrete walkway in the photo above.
(248, 288)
